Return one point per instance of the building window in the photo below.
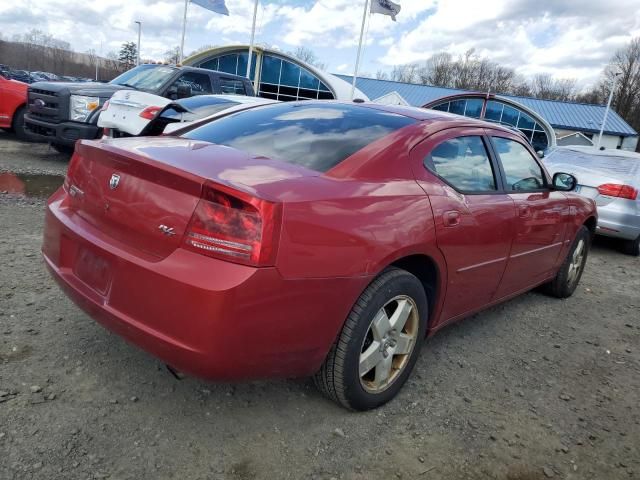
(280, 79)
(499, 112)
(286, 81)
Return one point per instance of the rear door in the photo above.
(541, 215)
(474, 218)
(231, 86)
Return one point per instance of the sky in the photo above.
(566, 38)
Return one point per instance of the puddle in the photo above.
(28, 185)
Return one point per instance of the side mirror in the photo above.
(183, 91)
(540, 154)
(564, 182)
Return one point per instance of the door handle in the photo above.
(451, 218)
(524, 211)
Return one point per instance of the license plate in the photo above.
(93, 270)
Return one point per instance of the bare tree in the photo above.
(172, 55)
(438, 70)
(626, 63)
(546, 87)
(308, 56)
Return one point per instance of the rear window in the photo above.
(199, 106)
(316, 136)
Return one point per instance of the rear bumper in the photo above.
(65, 133)
(618, 224)
(206, 317)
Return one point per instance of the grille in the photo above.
(44, 104)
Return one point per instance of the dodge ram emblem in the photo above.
(114, 182)
(39, 103)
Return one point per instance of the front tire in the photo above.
(64, 149)
(632, 247)
(568, 276)
(379, 343)
(18, 125)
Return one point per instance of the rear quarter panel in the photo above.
(358, 217)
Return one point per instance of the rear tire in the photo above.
(632, 247)
(379, 343)
(569, 274)
(18, 125)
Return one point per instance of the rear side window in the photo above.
(200, 83)
(315, 135)
(521, 170)
(231, 86)
(463, 163)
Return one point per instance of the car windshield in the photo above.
(316, 136)
(145, 77)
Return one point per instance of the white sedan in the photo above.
(133, 113)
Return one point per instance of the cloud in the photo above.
(567, 39)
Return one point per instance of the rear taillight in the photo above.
(150, 112)
(618, 190)
(234, 226)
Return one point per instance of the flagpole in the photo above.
(253, 33)
(184, 29)
(355, 73)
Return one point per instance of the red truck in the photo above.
(13, 101)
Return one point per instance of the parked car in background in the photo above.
(62, 113)
(310, 238)
(37, 77)
(13, 99)
(612, 179)
(47, 76)
(20, 76)
(129, 113)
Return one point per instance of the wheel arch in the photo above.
(16, 110)
(430, 274)
(591, 224)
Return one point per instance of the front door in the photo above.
(540, 217)
(474, 218)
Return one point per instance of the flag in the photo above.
(217, 6)
(385, 7)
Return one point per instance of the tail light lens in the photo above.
(618, 190)
(150, 112)
(234, 226)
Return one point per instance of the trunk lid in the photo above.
(142, 192)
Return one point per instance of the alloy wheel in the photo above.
(388, 344)
(577, 260)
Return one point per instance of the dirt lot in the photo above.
(536, 388)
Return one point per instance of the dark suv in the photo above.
(62, 112)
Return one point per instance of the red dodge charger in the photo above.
(310, 238)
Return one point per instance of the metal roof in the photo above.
(567, 115)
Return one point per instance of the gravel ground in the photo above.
(535, 388)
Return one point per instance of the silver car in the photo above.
(612, 179)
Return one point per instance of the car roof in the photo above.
(607, 152)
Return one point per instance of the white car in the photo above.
(133, 113)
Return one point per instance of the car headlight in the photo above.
(81, 107)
